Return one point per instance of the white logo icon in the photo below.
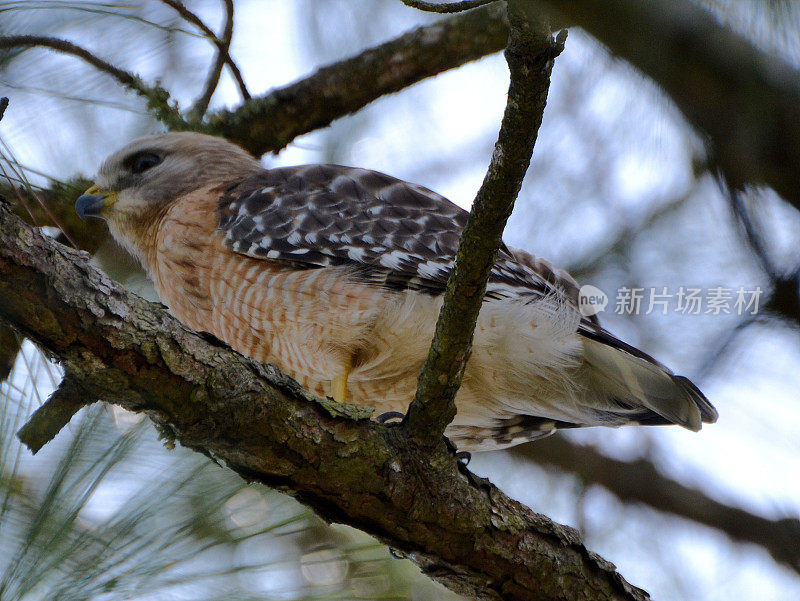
(591, 300)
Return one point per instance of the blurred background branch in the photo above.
(9, 347)
(446, 7)
(640, 481)
(746, 101)
(158, 100)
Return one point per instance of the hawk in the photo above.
(336, 275)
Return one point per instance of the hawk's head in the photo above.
(140, 180)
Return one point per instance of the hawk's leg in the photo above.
(339, 383)
(463, 457)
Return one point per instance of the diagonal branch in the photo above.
(640, 482)
(223, 51)
(158, 100)
(530, 55)
(127, 79)
(270, 122)
(50, 418)
(462, 530)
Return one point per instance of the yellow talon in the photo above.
(339, 384)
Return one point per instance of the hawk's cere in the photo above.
(336, 275)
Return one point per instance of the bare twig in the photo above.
(446, 7)
(784, 298)
(129, 80)
(640, 482)
(752, 233)
(158, 100)
(270, 122)
(223, 48)
(56, 413)
(192, 18)
(530, 55)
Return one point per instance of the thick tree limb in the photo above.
(530, 55)
(462, 531)
(270, 122)
(640, 482)
(89, 234)
(747, 102)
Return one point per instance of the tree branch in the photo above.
(223, 49)
(50, 418)
(747, 102)
(640, 482)
(268, 123)
(9, 348)
(462, 531)
(158, 100)
(530, 55)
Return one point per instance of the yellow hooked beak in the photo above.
(92, 202)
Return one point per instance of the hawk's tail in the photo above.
(645, 391)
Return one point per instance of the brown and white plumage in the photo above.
(334, 272)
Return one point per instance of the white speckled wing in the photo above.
(398, 234)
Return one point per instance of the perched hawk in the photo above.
(336, 275)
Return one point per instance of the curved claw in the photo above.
(463, 457)
(389, 416)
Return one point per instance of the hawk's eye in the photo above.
(145, 161)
